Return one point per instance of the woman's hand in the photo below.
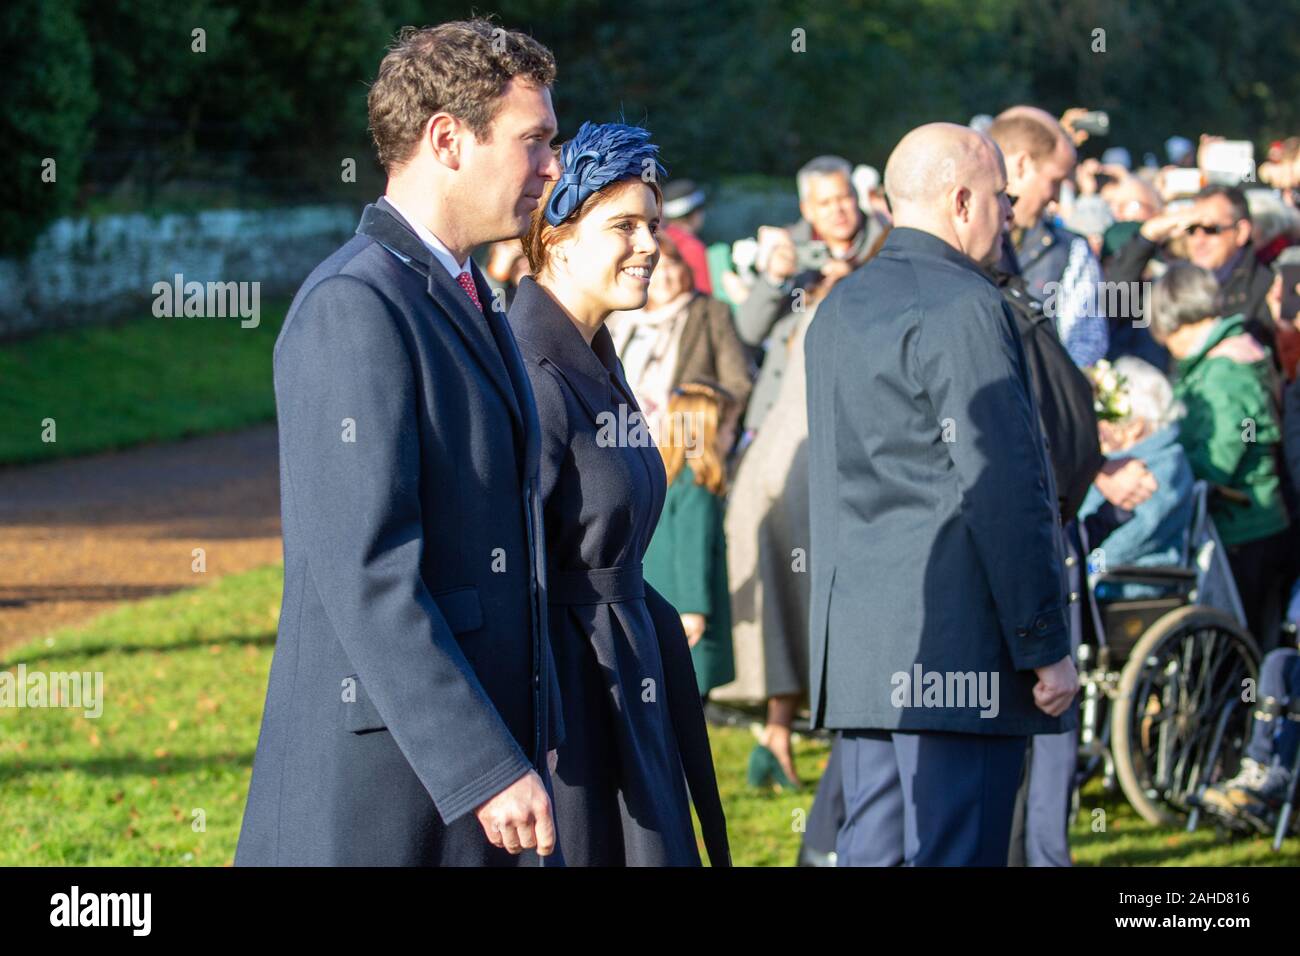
(693, 625)
(1126, 482)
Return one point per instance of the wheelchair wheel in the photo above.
(1180, 676)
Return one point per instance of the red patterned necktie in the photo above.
(467, 283)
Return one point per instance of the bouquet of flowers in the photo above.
(1109, 393)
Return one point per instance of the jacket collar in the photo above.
(906, 242)
(1224, 328)
(545, 329)
(1229, 270)
(1036, 240)
(385, 225)
(1156, 442)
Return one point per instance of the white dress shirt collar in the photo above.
(434, 244)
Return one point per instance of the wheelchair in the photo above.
(1163, 680)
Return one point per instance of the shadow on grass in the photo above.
(1176, 855)
(35, 655)
(21, 597)
(126, 765)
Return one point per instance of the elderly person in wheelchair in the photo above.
(1145, 427)
(1162, 707)
(1257, 795)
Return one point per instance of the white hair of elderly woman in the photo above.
(1150, 396)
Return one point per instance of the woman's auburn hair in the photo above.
(691, 420)
(541, 234)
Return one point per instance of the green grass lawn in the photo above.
(142, 380)
(184, 682)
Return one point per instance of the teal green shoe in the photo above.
(765, 770)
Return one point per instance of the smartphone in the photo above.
(769, 237)
(1228, 162)
(1094, 123)
(1290, 298)
(1182, 182)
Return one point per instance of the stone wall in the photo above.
(92, 270)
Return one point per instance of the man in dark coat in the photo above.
(410, 707)
(939, 637)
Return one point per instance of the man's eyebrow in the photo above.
(545, 128)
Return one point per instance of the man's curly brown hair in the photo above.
(462, 68)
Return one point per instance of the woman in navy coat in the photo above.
(635, 733)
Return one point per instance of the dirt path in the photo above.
(79, 536)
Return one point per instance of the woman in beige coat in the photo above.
(767, 561)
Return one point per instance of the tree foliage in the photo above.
(728, 87)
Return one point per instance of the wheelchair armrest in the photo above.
(1170, 580)
(1123, 573)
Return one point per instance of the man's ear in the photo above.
(445, 136)
(1245, 229)
(961, 203)
(1022, 164)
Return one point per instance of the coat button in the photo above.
(1041, 625)
(1074, 597)
(1070, 561)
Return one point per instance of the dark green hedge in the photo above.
(277, 101)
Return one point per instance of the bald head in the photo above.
(949, 181)
(930, 160)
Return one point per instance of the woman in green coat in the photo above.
(686, 561)
(1232, 434)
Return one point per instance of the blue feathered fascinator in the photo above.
(599, 155)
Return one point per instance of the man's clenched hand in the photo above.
(519, 817)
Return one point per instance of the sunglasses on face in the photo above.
(1210, 230)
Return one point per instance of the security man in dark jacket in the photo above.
(939, 638)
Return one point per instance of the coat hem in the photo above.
(996, 726)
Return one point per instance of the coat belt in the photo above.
(595, 586)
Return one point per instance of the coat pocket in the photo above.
(463, 612)
(461, 609)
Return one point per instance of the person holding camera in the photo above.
(832, 239)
